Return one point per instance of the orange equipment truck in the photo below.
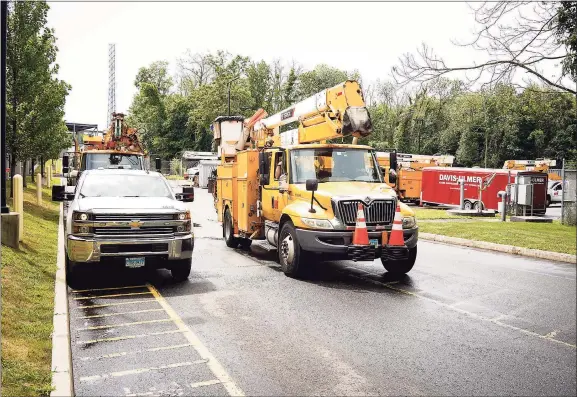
(540, 165)
(306, 196)
(119, 147)
(408, 171)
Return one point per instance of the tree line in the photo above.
(482, 128)
(484, 117)
(35, 97)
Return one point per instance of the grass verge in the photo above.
(28, 300)
(543, 236)
(175, 177)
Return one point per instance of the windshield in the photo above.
(94, 161)
(334, 165)
(123, 185)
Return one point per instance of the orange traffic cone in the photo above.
(360, 235)
(397, 238)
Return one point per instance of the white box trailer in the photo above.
(206, 168)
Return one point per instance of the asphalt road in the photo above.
(463, 322)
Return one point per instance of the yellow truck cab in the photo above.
(302, 197)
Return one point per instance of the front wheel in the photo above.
(290, 253)
(228, 230)
(401, 267)
(478, 205)
(72, 276)
(181, 270)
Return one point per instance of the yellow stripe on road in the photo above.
(121, 313)
(116, 304)
(77, 291)
(164, 320)
(139, 371)
(212, 363)
(110, 296)
(89, 342)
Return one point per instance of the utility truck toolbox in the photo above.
(441, 186)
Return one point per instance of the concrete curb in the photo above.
(508, 249)
(62, 381)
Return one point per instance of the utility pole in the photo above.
(4, 208)
(229, 84)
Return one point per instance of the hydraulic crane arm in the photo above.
(336, 112)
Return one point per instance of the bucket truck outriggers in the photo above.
(301, 193)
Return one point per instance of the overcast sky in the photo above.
(368, 37)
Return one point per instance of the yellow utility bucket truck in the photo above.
(299, 192)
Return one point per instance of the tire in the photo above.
(245, 243)
(290, 253)
(548, 201)
(401, 267)
(228, 230)
(477, 204)
(72, 273)
(180, 270)
(467, 205)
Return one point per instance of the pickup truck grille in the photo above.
(131, 217)
(126, 231)
(378, 212)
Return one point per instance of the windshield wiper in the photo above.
(130, 196)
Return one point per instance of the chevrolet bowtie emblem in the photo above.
(135, 224)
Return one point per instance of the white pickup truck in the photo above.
(126, 218)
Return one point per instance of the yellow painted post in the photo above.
(19, 203)
(39, 189)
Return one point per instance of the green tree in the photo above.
(35, 97)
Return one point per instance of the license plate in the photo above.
(134, 262)
(374, 242)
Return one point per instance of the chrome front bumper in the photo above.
(82, 249)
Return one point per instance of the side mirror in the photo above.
(188, 194)
(58, 193)
(393, 160)
(264, 168)
(65, 165)
(392, 176)
(312, 185)
(157, 164)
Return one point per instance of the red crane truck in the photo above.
(440, 185)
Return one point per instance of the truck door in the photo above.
(273, 201)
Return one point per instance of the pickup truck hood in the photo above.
(129, 204)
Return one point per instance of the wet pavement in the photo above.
(462, 322)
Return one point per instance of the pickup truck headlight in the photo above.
(80, 216)
(181, 216)
(317, 223)
(409, 222)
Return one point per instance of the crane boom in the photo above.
(335, 112)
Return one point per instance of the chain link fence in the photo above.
(569, 193)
